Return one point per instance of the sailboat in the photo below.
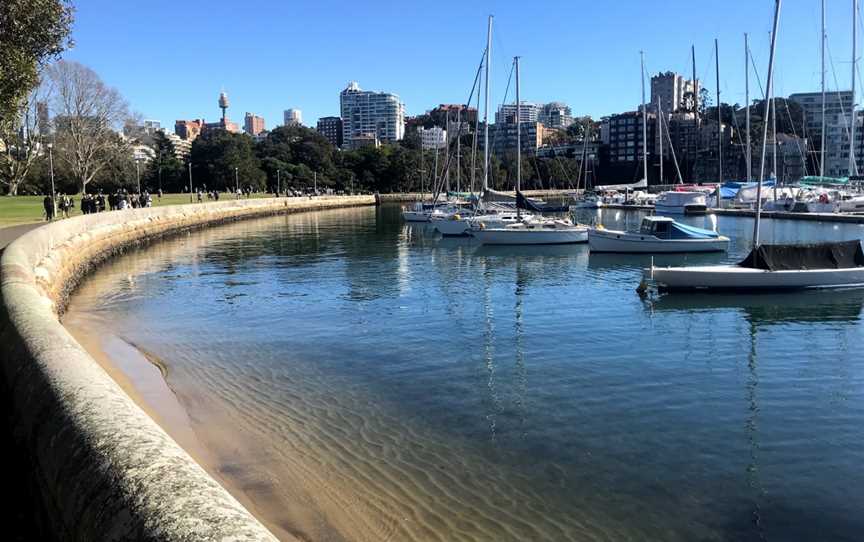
(770, 267)
(529, 230)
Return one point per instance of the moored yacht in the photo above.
(681, 203)
(533, 231)
(657, 235)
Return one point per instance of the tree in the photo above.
(88, 114)
(165, 171)
(32, 32)
(216, 155)
(22, 144)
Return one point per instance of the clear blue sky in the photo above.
(170, 59)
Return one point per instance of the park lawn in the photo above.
(25, 209)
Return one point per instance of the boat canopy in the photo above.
(666, 228)
(815, 180)
(523, 202)
(835, 255)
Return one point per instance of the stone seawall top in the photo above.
(103, 469)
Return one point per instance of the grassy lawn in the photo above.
(24, 209)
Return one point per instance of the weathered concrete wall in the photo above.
(102, 468)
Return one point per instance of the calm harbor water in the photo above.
(363, 379)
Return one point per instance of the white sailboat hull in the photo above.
(636, 243)
(415, 216)
(452, 227)
(732, 277)
(526, 236)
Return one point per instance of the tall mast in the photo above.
(719, 122)
(696, 119)
(518, 136)
(852, 166)
(774, 136)
(486, 110)
(695, 89)
(749, 151)
(474, 141)
(774, 139)
(660, 134)
(459, 150)
(644, 122)
(765, 124)
(822, 146)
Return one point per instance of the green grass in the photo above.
(25, 209)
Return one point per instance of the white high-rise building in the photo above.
(670, 87)
(507, 113)
(432, 138)
(555, 115)
(838, 111)
(293, 116)
(366, 113)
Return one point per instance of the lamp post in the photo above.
(190, 182)
(236, 183)
(278, 182)
(53, 193)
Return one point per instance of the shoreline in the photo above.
(143, 377)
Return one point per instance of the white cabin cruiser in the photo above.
(681, 203)
(657, 235)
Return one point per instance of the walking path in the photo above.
(10, 233)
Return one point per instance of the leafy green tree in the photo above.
(165, 171)
(32, 33)
(217, 154)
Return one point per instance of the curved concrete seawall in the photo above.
(102, 469)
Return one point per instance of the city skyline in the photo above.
(584, 56)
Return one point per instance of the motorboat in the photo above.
(533, 231)
(681, 203)
(657, 235)
(852, 204)
(771, 267)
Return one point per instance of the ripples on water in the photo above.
(376, 382)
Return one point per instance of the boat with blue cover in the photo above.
(657, 235)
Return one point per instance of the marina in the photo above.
(308, 354)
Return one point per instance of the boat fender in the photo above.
(482, 226)
(601, 227)
(456, 217)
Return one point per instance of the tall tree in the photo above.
(32, 33)
(22, 144)
(222, 160)
(87, 115)
(165, 171)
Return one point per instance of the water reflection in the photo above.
(840, 306)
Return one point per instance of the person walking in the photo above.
(48, 203)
